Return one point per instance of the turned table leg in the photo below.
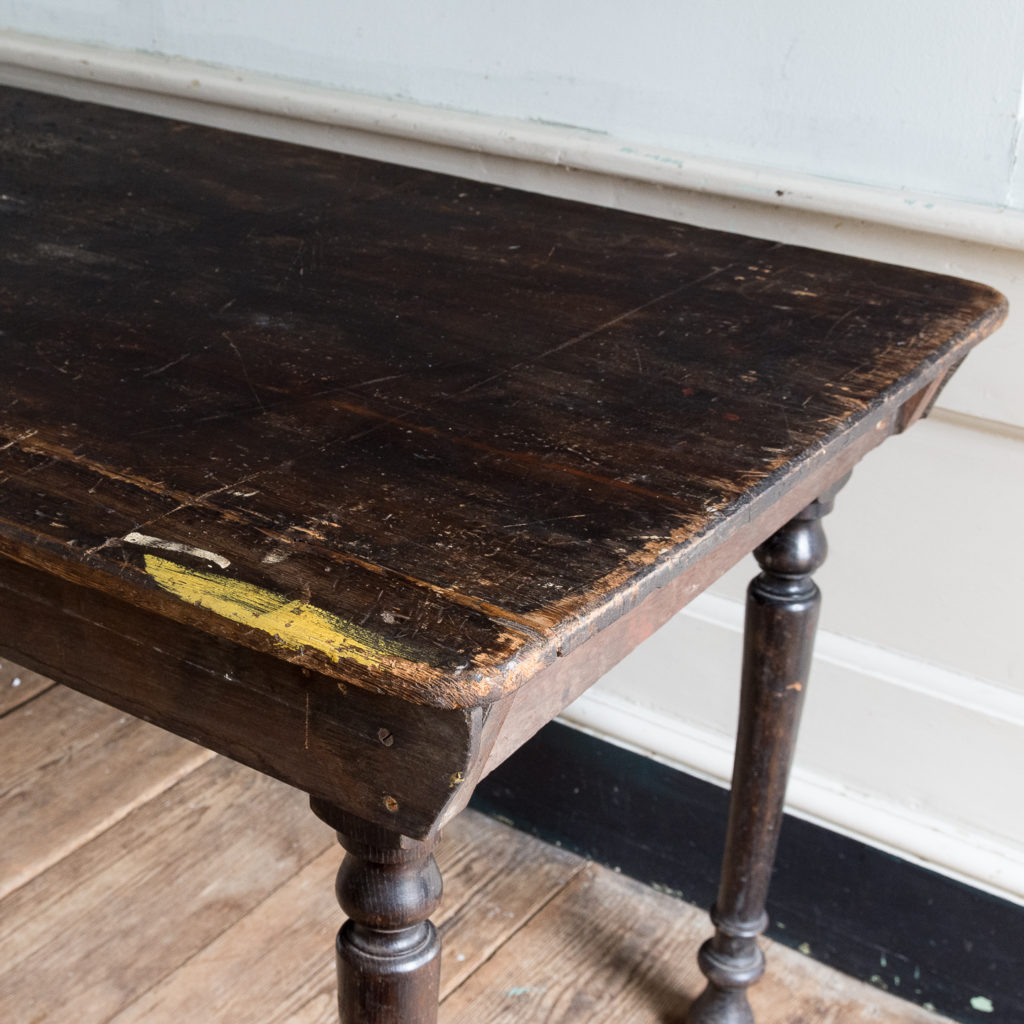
(388, 952)
(782, 613)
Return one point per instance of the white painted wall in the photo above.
(921, 94)
(914, 736)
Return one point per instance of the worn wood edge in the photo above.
(560, 627)
(887, 415)
(227, 97)
(326, 739)
(489, 722)
(609, 599)
(556, 684)
(404, 679)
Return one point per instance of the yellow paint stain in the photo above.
(291, 623)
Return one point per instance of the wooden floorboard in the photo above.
(115, 917)
(610, 949)
(18, 685)
(276, 963)
(211, 898)
(72, 767)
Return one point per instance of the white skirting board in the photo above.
(913, 758)
(850, 682)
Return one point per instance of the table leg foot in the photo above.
(721, 1006)
(388, 952)
(731, 962)
(782, 613)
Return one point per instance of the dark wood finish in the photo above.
(456, 429)
(284, 720)
(499, 419)
(358, 474)
(778, 642)
(388, 952)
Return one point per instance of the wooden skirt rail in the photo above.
(359, 474)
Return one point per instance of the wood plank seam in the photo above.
(29, 699)
(89, 835)
(239, 921)
(18, 685)
(57, 744)
(582, 866)
(119, 877)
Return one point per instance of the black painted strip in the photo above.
(869, 914)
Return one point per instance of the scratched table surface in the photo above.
(408, 430)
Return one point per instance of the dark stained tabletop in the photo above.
(412, 431)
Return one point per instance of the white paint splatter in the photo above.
(145, 541)
(982, 1004)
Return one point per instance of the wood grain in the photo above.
(417, 433)
(325, 463)
(783, 604)
(609, 949)
(499, 879)
(285, 720)
(276, 963)
(106, 923)
(200, 905)
(19, 685)
(72, 768)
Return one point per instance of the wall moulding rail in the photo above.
(148, 82)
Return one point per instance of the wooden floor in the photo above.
(144, 880)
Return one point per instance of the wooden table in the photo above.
(360, 474)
